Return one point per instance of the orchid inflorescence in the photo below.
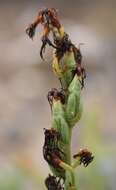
(66, 103)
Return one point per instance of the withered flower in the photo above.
(53, 183)
(85, 157)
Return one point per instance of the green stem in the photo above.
(70, 175)
(69, 147)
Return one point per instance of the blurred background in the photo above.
(25, 81)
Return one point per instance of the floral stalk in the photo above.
(66, 103)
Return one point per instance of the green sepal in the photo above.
(60, 124)
(68, 61)
(75, 85)
(74, 104)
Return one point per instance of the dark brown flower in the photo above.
(53, 183)
(85, 157)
